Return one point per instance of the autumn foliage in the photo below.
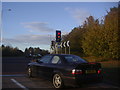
(100, 38)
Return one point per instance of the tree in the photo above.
(103, 39)
(10, 51)
(94, 38)
(91, 41)
(35, 51)
(112, 33)
(75, 38)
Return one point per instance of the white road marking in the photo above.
(20, 85)
(15, 75)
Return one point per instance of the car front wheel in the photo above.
(57, 81)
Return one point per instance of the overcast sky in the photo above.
(34, 23)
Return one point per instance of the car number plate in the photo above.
(90, 71)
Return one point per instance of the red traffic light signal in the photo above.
(59, 33)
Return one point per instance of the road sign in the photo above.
(68, 43)
(61, 45)
(56, 45)
(64, 44)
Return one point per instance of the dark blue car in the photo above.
(64, 69)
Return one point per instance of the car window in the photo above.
(46, 59)
(56, 60)
(74, 59)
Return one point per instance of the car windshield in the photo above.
(74, 59)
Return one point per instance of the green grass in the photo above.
(111, 75)
(111, 64)
(110, 69)
(95, 59)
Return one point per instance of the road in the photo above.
(14, 76)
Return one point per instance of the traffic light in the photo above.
(52, 43)
(58, 36)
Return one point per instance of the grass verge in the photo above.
(110, 69)
(111, 72)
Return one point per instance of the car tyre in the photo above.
(29, 72)
(57, 81)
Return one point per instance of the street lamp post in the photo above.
(1, 20)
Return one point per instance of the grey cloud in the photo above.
(38, 26)
(78, 13)
(29, 39)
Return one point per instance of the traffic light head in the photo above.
(58, 36)
(52, 43)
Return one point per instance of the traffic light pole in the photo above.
(69, 49)
(61, 50)
(65, 50)
(56, 48)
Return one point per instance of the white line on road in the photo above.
(15, 75)
(20, 85)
